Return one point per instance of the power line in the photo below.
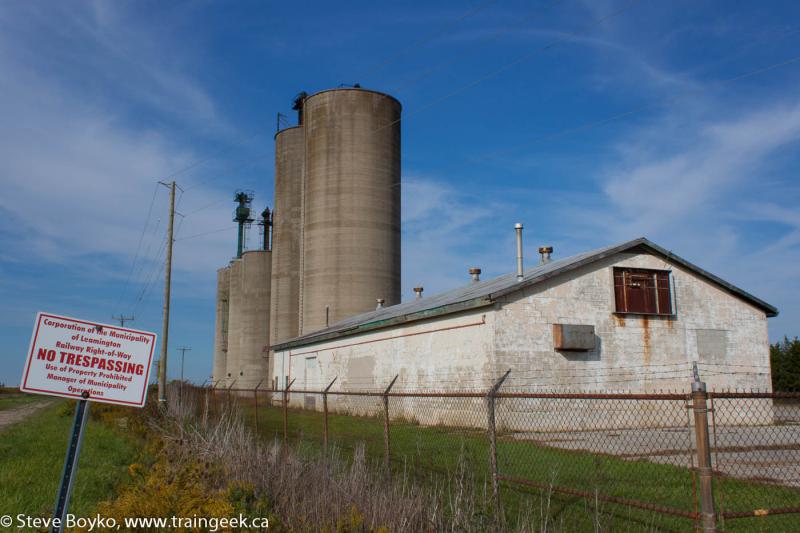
(239, 167)
(152, 277)
(157, 269)
(138, 246)
(491, 38)
(212, 204)
(426, 39)
(205, 233)
(639, 109)
(517, 61)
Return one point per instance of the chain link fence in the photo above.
(660, 461)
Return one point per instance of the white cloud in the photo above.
(78, 174)
(720, 158)
(445, 232)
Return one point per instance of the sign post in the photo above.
(70, 464)
(84, 360)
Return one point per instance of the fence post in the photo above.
(491, 428)
(700, 408)
(229, 392)
(286, 412)
(325, 420)
(386, 448)
(213, 393)
(255, 408)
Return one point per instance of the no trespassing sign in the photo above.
(68, 357)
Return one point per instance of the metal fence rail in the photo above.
(715, 460)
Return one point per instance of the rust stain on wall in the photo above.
(646, 339)
(620, 320)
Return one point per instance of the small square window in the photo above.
(642, 291)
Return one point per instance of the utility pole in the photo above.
(183, 350)
(162, 362)
(122, 319)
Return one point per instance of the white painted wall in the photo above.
(634, 352)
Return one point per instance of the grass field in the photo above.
(429, 452)
(32, 457)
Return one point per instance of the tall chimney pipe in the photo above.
(545, 252)
(418, 292)
(476, 274)
(518, 227)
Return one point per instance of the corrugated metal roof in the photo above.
(486, 292)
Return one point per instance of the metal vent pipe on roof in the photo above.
(545, 252)
(380, 303)
(518, 227)
(418, 292)
(476, 274)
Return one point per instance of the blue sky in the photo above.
(589, 121)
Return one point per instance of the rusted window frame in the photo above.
(670, 288)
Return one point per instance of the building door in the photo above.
(311, 382)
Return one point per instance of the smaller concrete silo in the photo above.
(235, 323)
(289, 164)
(219, 372)
(254, 320)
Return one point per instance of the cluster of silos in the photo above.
(241, 340)
(335, 232)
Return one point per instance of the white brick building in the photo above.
(632, 316)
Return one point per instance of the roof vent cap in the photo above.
(475, 272)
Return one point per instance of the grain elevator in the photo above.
(335, 246)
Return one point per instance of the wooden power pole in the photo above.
(162, 362)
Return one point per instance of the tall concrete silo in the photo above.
(350, 236)
(254, 317)
(286, 220)
(235, 323)
(219, 371)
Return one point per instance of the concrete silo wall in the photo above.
(254, 330)
(235, 323)
(289, 164)
(219, 371)
(351, 205)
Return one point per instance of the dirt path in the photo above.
(16, 414)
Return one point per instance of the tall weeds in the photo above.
(303, 489)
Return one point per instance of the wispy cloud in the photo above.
(100, 52)
(445, 232)
(79, 169)
(652, 191)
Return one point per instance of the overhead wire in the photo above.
(493, 37)
(206, 233)
(426, 39)
(245, 164)
(521, 59)
(644, 107)
(124, 290)
(161, 266)
(152, 277)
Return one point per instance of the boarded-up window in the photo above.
(712, 345)
(643, 291)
